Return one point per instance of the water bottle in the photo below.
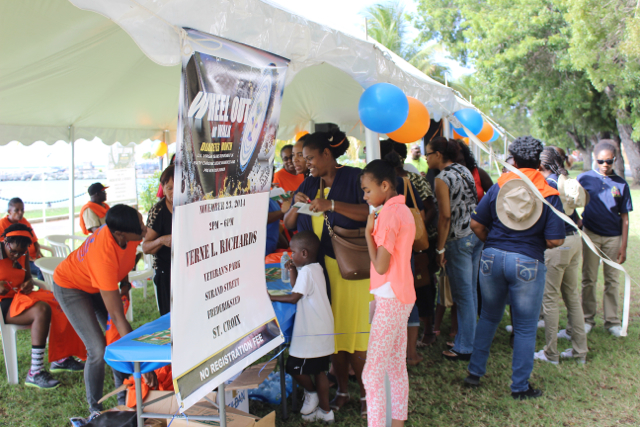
(283, 270)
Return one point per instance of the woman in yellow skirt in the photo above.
(335, 191)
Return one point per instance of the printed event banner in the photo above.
(221, 317)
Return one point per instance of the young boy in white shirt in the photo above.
(312, 342)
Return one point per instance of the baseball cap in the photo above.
(95, 188)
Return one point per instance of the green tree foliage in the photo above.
(605, 43)
(147, 198)
(387, 24)
(524, 72)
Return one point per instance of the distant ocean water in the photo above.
(47, 191)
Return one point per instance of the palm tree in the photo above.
(387, 24)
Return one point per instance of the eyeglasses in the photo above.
(428, 154)
(607, 161)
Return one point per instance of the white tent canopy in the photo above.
(65, 67)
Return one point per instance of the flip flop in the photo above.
(454, 356)
(336, 407)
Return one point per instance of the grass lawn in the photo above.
(37, 213)
(605, 392)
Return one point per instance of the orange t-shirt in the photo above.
(395, 230)
(4, 223)
(99, 264)
(14, 276)
(287, 181)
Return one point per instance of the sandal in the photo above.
(363, 413)
(451, 344)
(422, 343)
(454, 356)
(333, 404)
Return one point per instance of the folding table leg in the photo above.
(136, 379)
(294, 395)
(283, 384)
(222, 406)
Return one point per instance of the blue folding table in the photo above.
(135, 357)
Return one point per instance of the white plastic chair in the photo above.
(48, 249)
(59, 245)
(9, 346)
(144, 275)
(48, 266)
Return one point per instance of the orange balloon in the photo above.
(301, 134)
(465, 140)
(486, 133)
(456, 135)
(416, 125)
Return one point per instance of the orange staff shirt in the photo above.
(4, 223)
(99, 264)
(14, 276)
(287, 181)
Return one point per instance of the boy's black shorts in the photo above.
(296, 366)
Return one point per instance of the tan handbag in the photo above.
(350, 248)
(421, 241)
(444, 290)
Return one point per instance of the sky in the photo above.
(344, 15)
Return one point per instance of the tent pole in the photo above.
(445, 128)
(72, 173)
(373, 145)
(312, 126)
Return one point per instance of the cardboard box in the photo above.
(235, 418)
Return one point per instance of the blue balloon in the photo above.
(383, 108)
(469, 118)
(495, 136)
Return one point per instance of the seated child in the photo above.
(312, 342)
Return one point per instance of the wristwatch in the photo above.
(333, 205)
(440, 252)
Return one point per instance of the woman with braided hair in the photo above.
(21, 306)
(563, 264)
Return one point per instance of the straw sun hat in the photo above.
(518, 208)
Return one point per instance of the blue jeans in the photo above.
(463, 259)
(35, 271)
(509, 275)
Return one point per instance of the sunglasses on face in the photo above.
(607, 161)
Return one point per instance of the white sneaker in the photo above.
(311, 401)
(543, 357)
(615, 331)
(568, 354)
(541, 324)
(563, 334)
(587, 328)
(509, 328)
(320, 415)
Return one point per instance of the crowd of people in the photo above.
(491, 245)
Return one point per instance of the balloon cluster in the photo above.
(384, 108)
(473, 121)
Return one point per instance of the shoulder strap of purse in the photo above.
(471, 188)
(408, 187)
